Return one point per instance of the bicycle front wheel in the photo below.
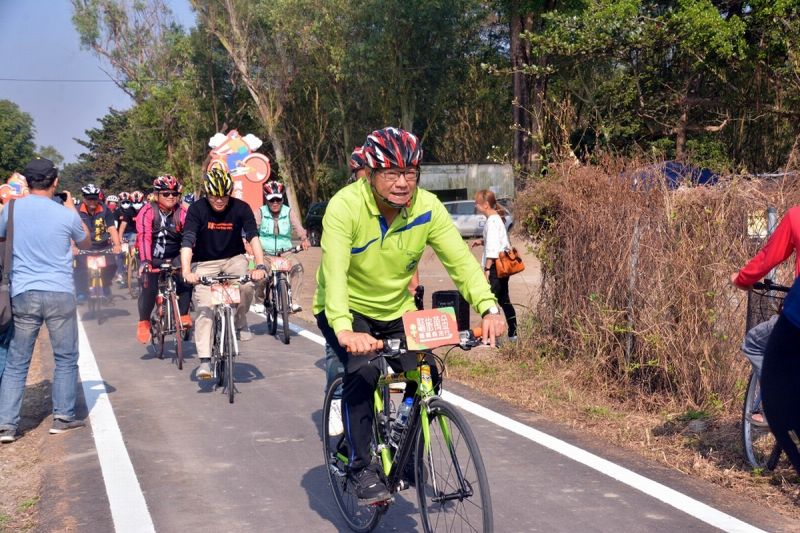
(760, 447)
(334, 446)
(270, 309)
(283, 305)
(176, 323)
(452, 487)
(230, 351)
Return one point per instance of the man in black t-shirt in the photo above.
(212, 243)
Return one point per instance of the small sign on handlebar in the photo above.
(431, 328)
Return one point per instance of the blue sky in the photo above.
(39, 42)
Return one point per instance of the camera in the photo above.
(63, 196)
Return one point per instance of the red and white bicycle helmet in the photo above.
(166, 183)
(137, 197)
(392, 148)
(273, 189)
(124, 197)
(357, 159)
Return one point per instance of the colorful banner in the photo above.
(249, 170)
(16, 187)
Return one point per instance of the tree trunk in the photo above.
(520, 56)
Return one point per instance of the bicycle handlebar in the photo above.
(292, 250)
(769, 285)
(210, 280)
(468, 339)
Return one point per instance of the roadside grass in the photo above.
(703, 443)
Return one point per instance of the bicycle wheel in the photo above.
(283, 307)
(157, 331)
(758, 442)
(271, 310)
(452, 487)
(358, 517)
(133, 275)
(229, 354)
(176, 325)
(216, 349)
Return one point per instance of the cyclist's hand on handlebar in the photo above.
(492, 326)
(357, 343)
(257, 274)
(733, 282)
(191, 278)
(144, 267)
(116, 249)
(305, 244)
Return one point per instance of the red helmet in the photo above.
(273, 189)
(124, 197)
(166, 183)
(392, 147)
(137, 197)
(357, 159)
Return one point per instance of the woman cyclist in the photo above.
(275, 223)
(780, 373)
(159, 227)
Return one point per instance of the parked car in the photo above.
(314, 222)
(467, 219)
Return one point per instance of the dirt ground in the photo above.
(22, 463)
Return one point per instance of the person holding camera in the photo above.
(42, 292)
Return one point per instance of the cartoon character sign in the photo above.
(249, 170)
(16, 187)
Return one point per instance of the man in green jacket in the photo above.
(374, 233)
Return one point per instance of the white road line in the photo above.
(661, 492)
(128, 506)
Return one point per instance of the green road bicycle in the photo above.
(225, 347)
(436, 451)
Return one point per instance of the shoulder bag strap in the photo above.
(8, 258)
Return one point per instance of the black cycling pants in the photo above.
(360, 377)
(147, 296)
(780, 386)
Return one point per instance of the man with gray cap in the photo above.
(42, 292)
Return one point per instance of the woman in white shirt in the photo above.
(495, 240)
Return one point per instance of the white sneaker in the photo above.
(244, 334)
(257, 308)
(204, 371)
(335, 424)
(296, 308)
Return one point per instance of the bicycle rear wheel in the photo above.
(334, 446)
(283, 305)
(760, 447)
(452, 487)
(133, 275)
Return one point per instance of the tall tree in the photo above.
(16, 138)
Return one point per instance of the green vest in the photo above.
(270, 241)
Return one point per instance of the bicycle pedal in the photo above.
(381, 503)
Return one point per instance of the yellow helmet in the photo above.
(218, 182)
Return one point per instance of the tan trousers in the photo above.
(204, 319)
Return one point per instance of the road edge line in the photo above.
(128, 506)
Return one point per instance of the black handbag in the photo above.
(5, 272)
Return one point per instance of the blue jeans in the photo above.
(755, 342)
(30, 310)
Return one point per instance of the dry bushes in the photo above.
(636, 279)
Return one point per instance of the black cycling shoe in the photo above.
(369, 487)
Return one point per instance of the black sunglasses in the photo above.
(275, 200)
(172, 194)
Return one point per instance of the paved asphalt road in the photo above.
(205, 465)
